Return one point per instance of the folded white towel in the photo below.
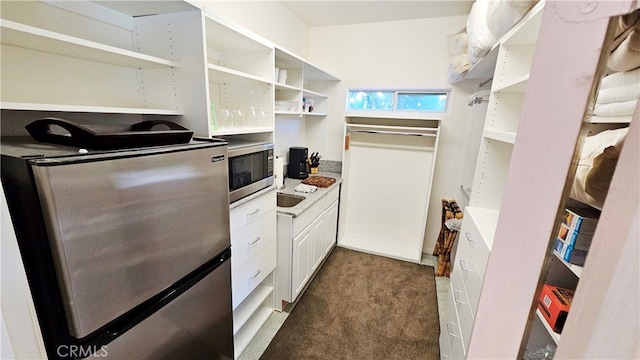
(621, 79)
(610, 119)
(616, 109)
(306, 188)
(619, 94)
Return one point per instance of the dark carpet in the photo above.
(362, 306)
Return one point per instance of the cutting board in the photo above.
(319, 181)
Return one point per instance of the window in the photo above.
(398, 100)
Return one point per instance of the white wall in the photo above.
(400, 54)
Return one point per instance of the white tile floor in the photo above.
(260, 342)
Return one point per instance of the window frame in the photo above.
(394, 107)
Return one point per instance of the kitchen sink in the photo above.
(286, 200)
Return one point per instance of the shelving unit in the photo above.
(533, 133)
(508, 64)
(249, 316)
(72, 60)
(304, 81)
(240, 81)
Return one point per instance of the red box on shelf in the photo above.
(554, 303)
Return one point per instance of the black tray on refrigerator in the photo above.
(109, 137)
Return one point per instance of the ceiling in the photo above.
(334, 12)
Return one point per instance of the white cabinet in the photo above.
(253, 259)
(514, 58)
(303, 81)
(526, 163)
(331, 226)
(467, 276)
(304, 242)
(95, 57)
(388, 223)
(239, 81)
(301, 258)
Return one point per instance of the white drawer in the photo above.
(471, 278)
(445, 350)
(461, 300)
(478, 231)
(307, 216)
(472, 238)
(250, 275)
(333, 195)
(248, 241)
(452, 330)
(251, 211)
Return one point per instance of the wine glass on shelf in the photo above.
(238, 118)
(253, 116)
(226, 119)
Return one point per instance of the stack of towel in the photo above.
(618, 97)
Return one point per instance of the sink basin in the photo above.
(286, 200)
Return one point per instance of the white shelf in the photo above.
(240, 131)
(314, 114)
(518, 84)
(223, 74)
(309, 93)
(524, 32)
(392, 115)
(298, 113)
(228, 38)
(249, 306)
(88, 109)
(250, 329)
(504, 136)
(554, 335)
(576, 269)
(484, 68)
(34, 38)
(281, 86)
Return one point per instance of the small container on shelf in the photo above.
(554, 303)
(581, 219)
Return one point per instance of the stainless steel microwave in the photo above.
(250, 168)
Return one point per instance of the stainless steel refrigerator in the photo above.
(126, 252)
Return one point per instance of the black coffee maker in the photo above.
(298, 167)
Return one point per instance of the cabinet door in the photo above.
(318, 235)
(331, 226)
(301, 261)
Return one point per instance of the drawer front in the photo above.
(479, 249)
(248, 241)
(307, 216)
(465, 315)
(452, 330)
(445, 351)
(250, 275)
(471, 278)
(333, 195)
(251, 211)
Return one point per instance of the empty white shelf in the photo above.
(34, 38)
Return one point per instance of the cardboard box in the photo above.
(554, 304)
(570, 254)
(581, 220)
(573, 238)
